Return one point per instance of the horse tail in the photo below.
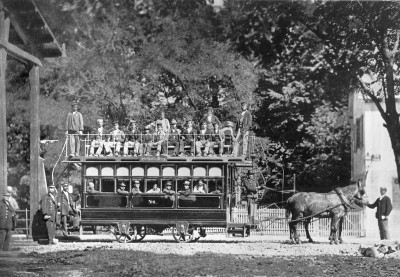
(288, 208)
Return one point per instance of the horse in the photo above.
(306, 205)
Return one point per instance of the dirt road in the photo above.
(213, 256)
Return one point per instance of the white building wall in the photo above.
(376, 159)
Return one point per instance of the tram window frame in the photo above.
(125, 180)
(102, 180)
(96, 182)
(164, 181)
(146, 186)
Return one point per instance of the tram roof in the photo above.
(240, 161)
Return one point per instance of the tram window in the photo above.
(198, 188)
(134, 186)
(181, 185)
(150, 183)
(199, 171)
(168, 171)
(92, 171)
(184, 171)
(107, 171)
(107, 185)
(137, 171)
(215, 171)
(153, 171)
(125, 181)
(122, 171)
(96, 183)
(215, 186)
(164, 182)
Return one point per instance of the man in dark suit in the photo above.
(384, 207)
(49, 210)
(7, 213)
(188, 138)
(243, 125)
(65, 203)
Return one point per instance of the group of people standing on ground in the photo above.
(209, 140)
(64, 202)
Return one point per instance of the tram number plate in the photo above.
(153, 158)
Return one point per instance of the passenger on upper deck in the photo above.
(199, 188)
(164, 123)
(203, 140)
(74, 128)
(99, 140)
(210, 119)
(243, 125)
(121, 189)
(90, 188)
(217, 138)
(155, 189)
(147, 141)
(116, 139)
(174, 137)
(188, 138)
(133, 139)
(160, 140)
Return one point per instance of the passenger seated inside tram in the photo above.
(155, 189)
(135, 193)
(90, 188)
(169, 193)
(200, 187)
(187, 191)
(218, 190)
(121, 189)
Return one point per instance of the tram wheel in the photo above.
(139, 232)
(182, 237)
(124, 238)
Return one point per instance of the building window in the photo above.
(359, 140)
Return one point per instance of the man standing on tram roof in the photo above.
(74, 128)
(243, 125)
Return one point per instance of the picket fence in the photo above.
(272, 222)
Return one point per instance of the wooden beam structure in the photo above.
(28, 28)
(4, 31)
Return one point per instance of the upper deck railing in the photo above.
(147, 145)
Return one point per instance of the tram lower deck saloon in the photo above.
(154, 192)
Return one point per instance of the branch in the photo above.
(375, 99)
(396, 44)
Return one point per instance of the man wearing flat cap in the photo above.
(133, 139)
(147, 141)
(243, 126)
(122, 189)
(74, 128)
(48, 205)
(7, 214)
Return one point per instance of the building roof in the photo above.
(30, 31)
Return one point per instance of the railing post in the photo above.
(27, 219)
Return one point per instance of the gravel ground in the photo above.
(215, 255)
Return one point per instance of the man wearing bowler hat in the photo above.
(74, 128)
(49, 210)
(7, 214)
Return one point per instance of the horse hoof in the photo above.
(331, 242)
(341, 241)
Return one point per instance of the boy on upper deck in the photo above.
(116, 139)
(188, 138)
(147, 141)
(133, 139)
(217, 138)
(99, 140)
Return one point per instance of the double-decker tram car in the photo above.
(132, 195)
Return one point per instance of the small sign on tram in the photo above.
(153, 158)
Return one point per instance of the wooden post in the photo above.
(34, 142)
(4, 31)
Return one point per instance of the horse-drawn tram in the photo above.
(133, 194)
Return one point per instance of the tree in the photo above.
(363, 38)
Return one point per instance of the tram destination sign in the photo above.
(153, 158)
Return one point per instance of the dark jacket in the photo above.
(65, 207)
(210, 123)
(49, 207)
(251, 188)
(174, 135)
(189, 135)
(6, 215)
(134, 135)
(384, 207)
(74, 122)
(244, 122)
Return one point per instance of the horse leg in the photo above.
(340, 229)
(334, 227)
(306, 224)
